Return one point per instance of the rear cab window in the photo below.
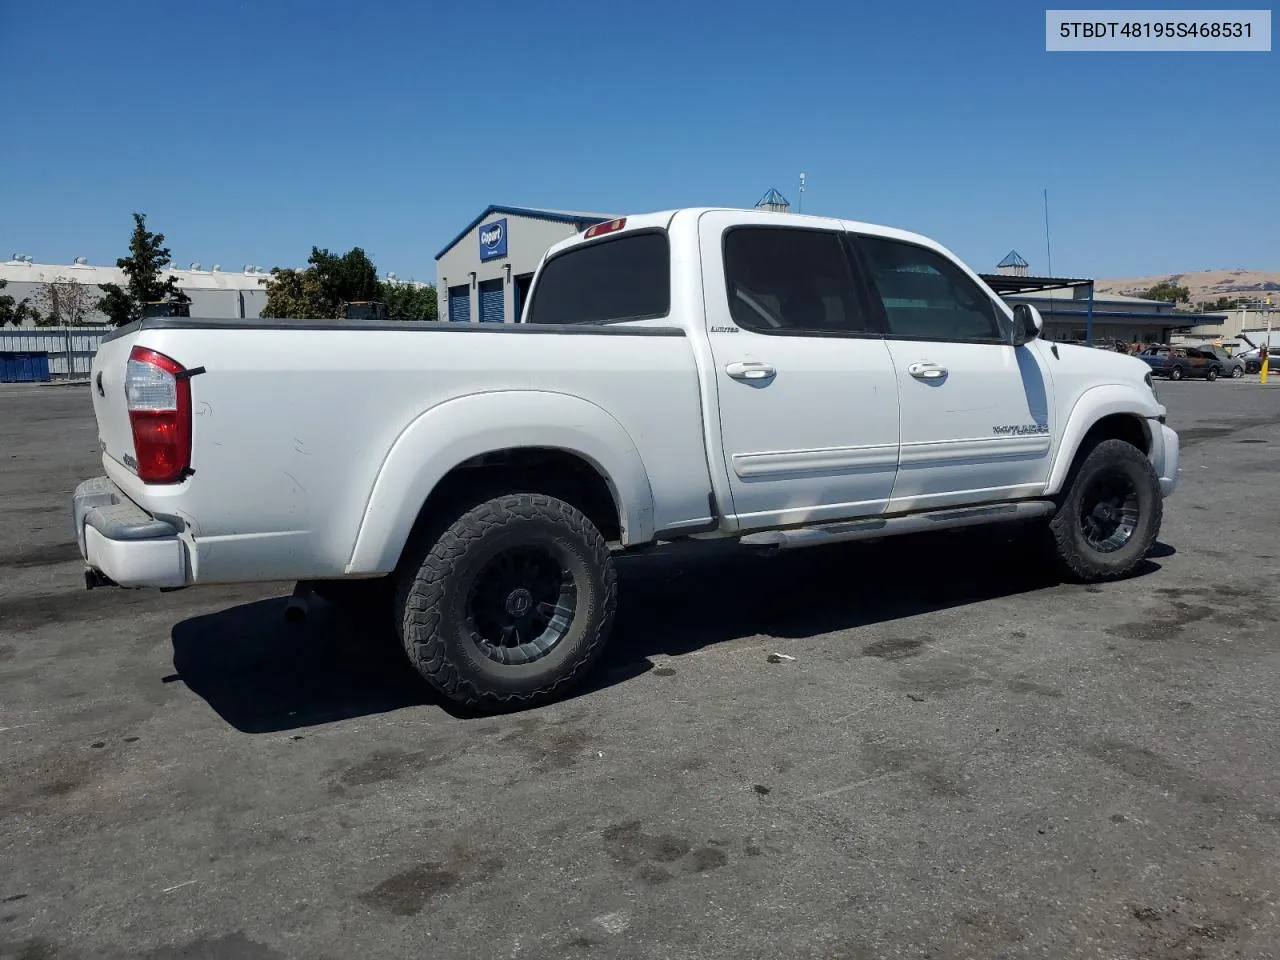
(626, 277)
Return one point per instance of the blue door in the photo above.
(491, 301)
(460, 304)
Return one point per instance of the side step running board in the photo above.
(874, 527)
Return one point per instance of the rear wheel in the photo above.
(1175, 373)
(1109, 515)
(511, 605)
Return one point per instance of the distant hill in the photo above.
(1205, 285)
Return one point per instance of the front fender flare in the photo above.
(1091, 406)
(457, 430)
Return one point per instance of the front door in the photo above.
(976, 410)
(808, 405)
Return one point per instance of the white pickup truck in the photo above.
(781, 379)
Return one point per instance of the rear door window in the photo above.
(622, 278)
(791, 282)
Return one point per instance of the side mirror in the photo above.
(1027, 323)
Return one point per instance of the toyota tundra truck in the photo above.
(780, 379)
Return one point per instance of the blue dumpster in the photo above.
(25, 367)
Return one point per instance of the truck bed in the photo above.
(294, 422)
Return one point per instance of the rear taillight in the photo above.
(158, 393)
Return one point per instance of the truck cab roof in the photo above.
(665, 219)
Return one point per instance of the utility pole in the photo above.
(800, 207)
(1048, 250)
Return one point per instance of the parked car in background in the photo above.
(1233, 367)
(1253, 360)
(1178, 362)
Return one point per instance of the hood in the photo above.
(1121, 366)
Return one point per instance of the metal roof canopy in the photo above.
(1005, 284)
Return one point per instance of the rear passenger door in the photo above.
(976, 412)
(807, 398)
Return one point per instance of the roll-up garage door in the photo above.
(491, 301)
(460, 304)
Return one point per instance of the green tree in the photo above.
(18, 312)
(143, 270)
(322, 290)
(1168, 291)
(117, 305)
(297, 295)
(1222, 303)
(350, 278)
(409, 301)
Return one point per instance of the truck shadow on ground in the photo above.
(261, 674)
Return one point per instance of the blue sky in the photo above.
(249, 131)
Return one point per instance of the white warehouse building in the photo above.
(214, 293)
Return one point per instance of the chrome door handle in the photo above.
(750, 370)
(924, 370)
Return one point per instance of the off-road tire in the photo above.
(435, 598)
(1212, 374)
(1175, 373)
(1110, 461)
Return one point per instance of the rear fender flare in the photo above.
(453, 432)
(1092, 405)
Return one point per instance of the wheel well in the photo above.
(1118, 426)
(545, 470)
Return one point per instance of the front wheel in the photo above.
(1110, 514)
(1212, 374)
(1175, 373)
(1237, 372)
(512, 605)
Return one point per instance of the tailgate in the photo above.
(115, 436)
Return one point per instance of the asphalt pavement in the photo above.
(964, 759)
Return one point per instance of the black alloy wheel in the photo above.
(521, 604)
(509, 603)
(1109, 511)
